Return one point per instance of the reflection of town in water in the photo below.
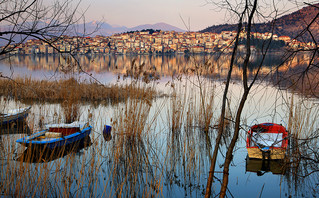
(148, 155)
(166, 65)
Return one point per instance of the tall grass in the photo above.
(178, 100)
(302, 117)
(191, 122)
(26, 89)
(132, 167)
(207, 108)
(302, 155)
(67, 176)
(71, 101)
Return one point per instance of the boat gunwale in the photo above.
(282, 131)
(22, 113)
(53, 140)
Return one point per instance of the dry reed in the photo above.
(55, 91)
(131, 149)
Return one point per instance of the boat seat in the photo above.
(267, 139)
(53, 135)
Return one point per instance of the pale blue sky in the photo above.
(131, 13)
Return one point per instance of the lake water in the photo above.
(158, 160)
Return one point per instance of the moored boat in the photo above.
(267, 141)
(14, 115)
(40, 155)
(57, 135)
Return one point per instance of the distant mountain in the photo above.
(93, 28)
(288, 25)
(157, 26)
(96, 28)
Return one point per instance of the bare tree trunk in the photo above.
(222, 115)
(229, 154)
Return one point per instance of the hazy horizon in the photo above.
(196, 14)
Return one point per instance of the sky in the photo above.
(197, 14)
(131, 13)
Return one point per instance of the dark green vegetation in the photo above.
(150, 31)
(261, 44)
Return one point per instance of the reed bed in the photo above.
(206, 109)
(302, 118)
(131, 166)
(137, 161)
(191, 122)
(134, 170)
(195, 108)
(55, 91)
(302, 155)
(80, 176)
(177, 110)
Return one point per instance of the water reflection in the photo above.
(169, 65)
(134, 169)
(260, 167)
(18, 127)
(303, 165)
(162, 147)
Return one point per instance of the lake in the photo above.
(160, 148)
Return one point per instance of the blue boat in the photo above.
(44, 155)
(57, 135)
(14, 115)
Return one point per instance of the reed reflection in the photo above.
(190, 136)
(134, 169)
(303, 165)
(18, 127)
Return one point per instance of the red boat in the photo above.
(267, 141)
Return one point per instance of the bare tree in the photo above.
(21, 20)
(245, 19)
(223, 112)
(251, 9)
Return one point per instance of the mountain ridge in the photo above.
(161, 26)
(106, 29)
(288, 25)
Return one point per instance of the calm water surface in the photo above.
(159, 162)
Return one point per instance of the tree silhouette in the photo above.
(22, 20)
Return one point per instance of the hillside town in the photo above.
(151, 42)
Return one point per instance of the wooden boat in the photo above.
(267, 141)
(57, 135)
(40, 155)
(14, 115)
